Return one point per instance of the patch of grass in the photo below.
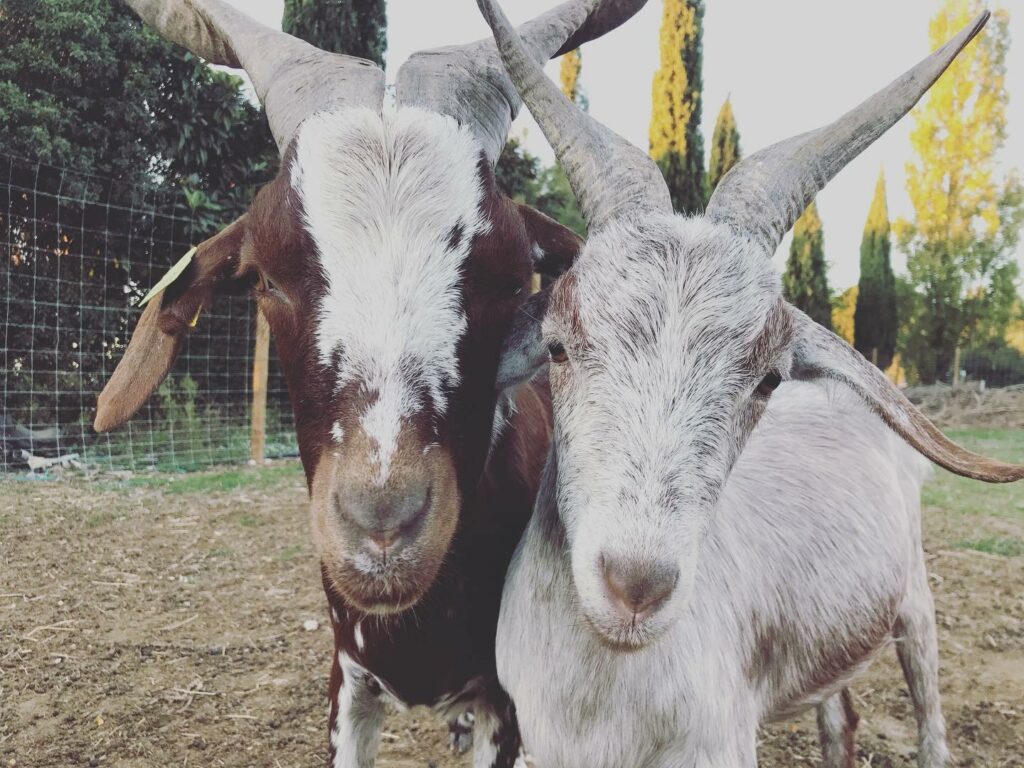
(289, 552)
(222, 552)
(974, 498)
(218, 480)
(100, 518)
(248, 521)
(993, 545)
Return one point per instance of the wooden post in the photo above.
(260, 372)
(956, 366)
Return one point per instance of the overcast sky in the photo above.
(789, 66)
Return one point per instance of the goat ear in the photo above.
(820, 354)
(162, 328)
(523, 353)
(555, 246)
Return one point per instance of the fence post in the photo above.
(260, 372)
(956, 366)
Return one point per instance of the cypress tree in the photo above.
(569, 74)
(805, 283)
(725, 146)
(355, 27)
(676, 142)
(875, 322)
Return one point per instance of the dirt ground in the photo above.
(164, 626)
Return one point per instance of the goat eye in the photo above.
(557, 352)
(769, 384)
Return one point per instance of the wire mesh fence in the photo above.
(77, 252)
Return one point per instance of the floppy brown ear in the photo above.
(555, 247)
(820, 354)
(162, 328)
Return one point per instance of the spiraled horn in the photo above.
(469, 82)
(609, 176)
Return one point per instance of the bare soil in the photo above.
(143, 627)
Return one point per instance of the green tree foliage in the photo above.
(967, 218)
(676, 141)
(555, 198)
(76, 81)
(516, 171)
(875, 323)
(354, 27)
(83, 86)
(805, 282)
(520, 176)
(725, 146)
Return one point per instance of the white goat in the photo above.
(685, 577)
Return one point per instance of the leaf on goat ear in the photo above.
(172, 310)
(172, 274)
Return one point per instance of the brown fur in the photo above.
(428, 620)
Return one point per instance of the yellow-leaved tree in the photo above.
(967, 219)
(569, 74)
(676, 142)
(843, 307)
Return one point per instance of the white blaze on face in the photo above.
(392, 203)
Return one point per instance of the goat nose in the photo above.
(383, 517)
(637, 590)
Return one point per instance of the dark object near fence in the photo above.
(998, 365)
(15, 438)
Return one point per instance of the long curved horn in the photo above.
(766, 193)
(469, 82)
(609, 176)
(292, 78)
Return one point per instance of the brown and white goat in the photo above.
(390, 268)
(706, 555)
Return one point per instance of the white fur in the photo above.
(797, 544)
(382, 194)
(355, 737)
(643, 409)
(811, 533)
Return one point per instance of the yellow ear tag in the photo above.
(173, 274)
(196, 318)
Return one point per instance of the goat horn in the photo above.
(469, 82)
(609, 176)
(766, 193)
(292, 78)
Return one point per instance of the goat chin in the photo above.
(812, 558)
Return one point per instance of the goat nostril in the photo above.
(380, 542)
(638, 590)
